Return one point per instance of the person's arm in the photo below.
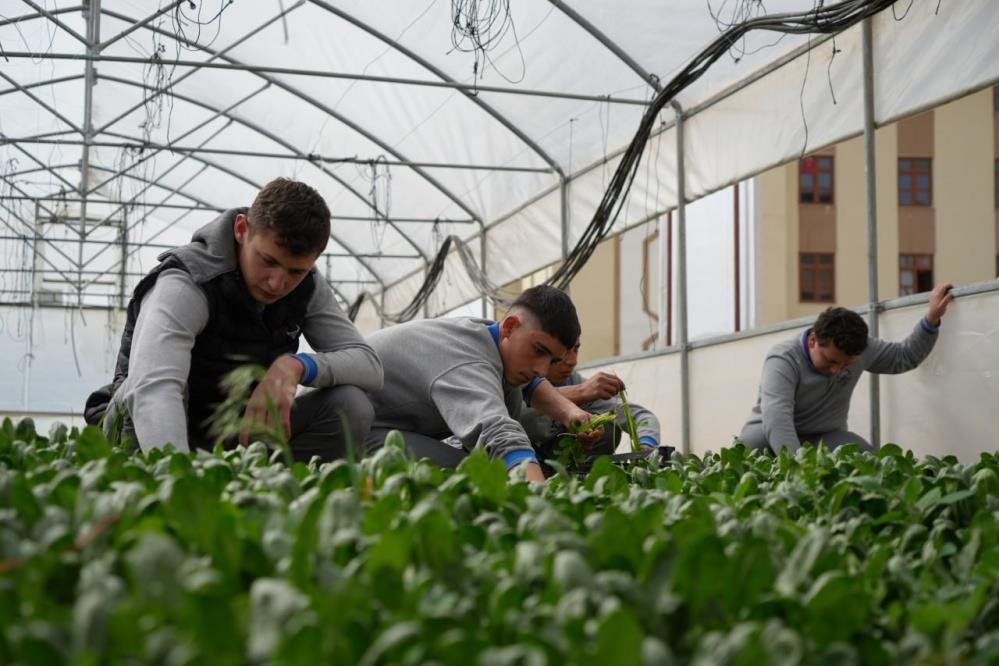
(777, 388)
(549, 401)
(172, 315)
(470, 399)
(890, 358)
(341, 354)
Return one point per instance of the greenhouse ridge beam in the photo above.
(278, 140)
(256, 69)
(263, 132)
(134, 142)
(306, 98)
(469, 95)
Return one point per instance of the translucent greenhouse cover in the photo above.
(409, 136)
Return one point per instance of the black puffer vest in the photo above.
(239, 330)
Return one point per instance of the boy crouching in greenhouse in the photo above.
(463, 377)
(807, 381)
(597, 394)
(243, 291)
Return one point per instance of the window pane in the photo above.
(904, 181)
(825, 163)
(825, 180)
(825, 197)
(825, 259)
(807, 295)
(924, 281)
(923, 181)
(924, 261)
(825, 281)
(905, 260)
(905, 164)
(807, 259)
(905, 197)
(923, 165)
(923, 198)
(905, 278)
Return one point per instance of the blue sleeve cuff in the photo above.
(514, 458)
(925, 323)
(648, 441)
(530, 387)
(311, 369)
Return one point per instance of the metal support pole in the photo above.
(870, 202)
(681, 277)
(482, 267)
(564, 214)
(93, 15)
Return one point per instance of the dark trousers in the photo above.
(420, 446)
(323, 420)
(752, 436)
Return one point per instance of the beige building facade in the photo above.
(937, 212)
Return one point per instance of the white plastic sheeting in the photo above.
(946, 406)
(288, 121)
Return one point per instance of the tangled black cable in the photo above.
(433, 276)
(822, 20)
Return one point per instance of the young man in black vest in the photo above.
(244, 290)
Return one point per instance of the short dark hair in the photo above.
(844, 328)
(295, 213)
(554, 311)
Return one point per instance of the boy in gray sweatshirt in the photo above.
(807, 381)
(596, 394)
(463, 377)
(245, 289)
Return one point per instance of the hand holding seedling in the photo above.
(601, 386)
(270, 405)
(574, 421)
(940, 298)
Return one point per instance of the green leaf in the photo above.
(92, 445)
(835, 607)
(488, 476)
(618, 640)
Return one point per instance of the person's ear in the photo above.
(509, 325)
(241, 228)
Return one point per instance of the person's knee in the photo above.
(355, 408)
(752, 438)
(337, 409)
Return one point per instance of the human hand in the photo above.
(601, 386)
(277, 386)
(577, 417)
(940, 298)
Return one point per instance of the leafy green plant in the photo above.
(736, 557)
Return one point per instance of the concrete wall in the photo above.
(964, 191)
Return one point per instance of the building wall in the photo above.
(959, 229)
(965, 198)
(594, 292)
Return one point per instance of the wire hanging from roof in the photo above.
(477, 27)
(822, 20)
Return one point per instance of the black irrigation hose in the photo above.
(823, 20)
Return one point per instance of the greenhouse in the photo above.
(703, 179)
